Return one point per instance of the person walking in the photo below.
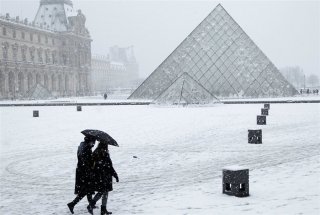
(103, 173)
(84, 182)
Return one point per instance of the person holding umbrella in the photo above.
(84, 183)
(103, 173)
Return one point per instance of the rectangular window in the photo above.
(22, 35)
(39, 39)
(52, 41)
(14, 35)
(4, 31)
(46, 38)
(31, 37)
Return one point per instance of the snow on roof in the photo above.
(55, 16)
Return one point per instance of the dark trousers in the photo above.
(80, 196)
(104, 196)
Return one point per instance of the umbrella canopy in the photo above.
(100, 135)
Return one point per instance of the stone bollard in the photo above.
(261, 120)
(235, 181)
(255, 136)
(79, 108)
(264, 111)
(267, 106)
(35, 113)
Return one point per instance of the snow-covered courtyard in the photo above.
(180, 153)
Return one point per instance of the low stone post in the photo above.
(35, 113)
(261, 120)
(255, 136)
(264, 111)
(235, 181)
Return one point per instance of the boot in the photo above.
(104, 210)
(91, 206)
(71, 206)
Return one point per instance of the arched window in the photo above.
(24, 52)
(46, 82)
(38, 78)
(60, 84)
(21, 82)
(64, 58)
(53, 80)
(11, 82)
(5, 47)
(66, 84)
(30, 81)
(40, 55)
(2, 81)
(54, 58)
(32, 50)
(15, 51)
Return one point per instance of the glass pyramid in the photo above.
(184, 91)
(38, 92)
(223, 59)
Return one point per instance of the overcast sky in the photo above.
(288, 32)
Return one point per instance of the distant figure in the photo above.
(105, 95)
(300, 91)
(317, 91)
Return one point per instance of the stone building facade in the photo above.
(119, 69)
(54, 50)
(99, 68)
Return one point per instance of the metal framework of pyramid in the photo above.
(184, 91)
(38, 92)
(223, 59)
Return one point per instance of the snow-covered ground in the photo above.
(180, 153)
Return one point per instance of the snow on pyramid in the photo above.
(223, 59)
(185, 90)
(38, 92)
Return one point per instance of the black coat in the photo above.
(84, 169)
(103, 172)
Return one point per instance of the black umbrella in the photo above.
(100, 135)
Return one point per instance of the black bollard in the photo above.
(264, 111)
(79, 108)
(261, 120)
(267, 106)
(255, 136)
(35, 113)
(235, 181)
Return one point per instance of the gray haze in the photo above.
(288, 32)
